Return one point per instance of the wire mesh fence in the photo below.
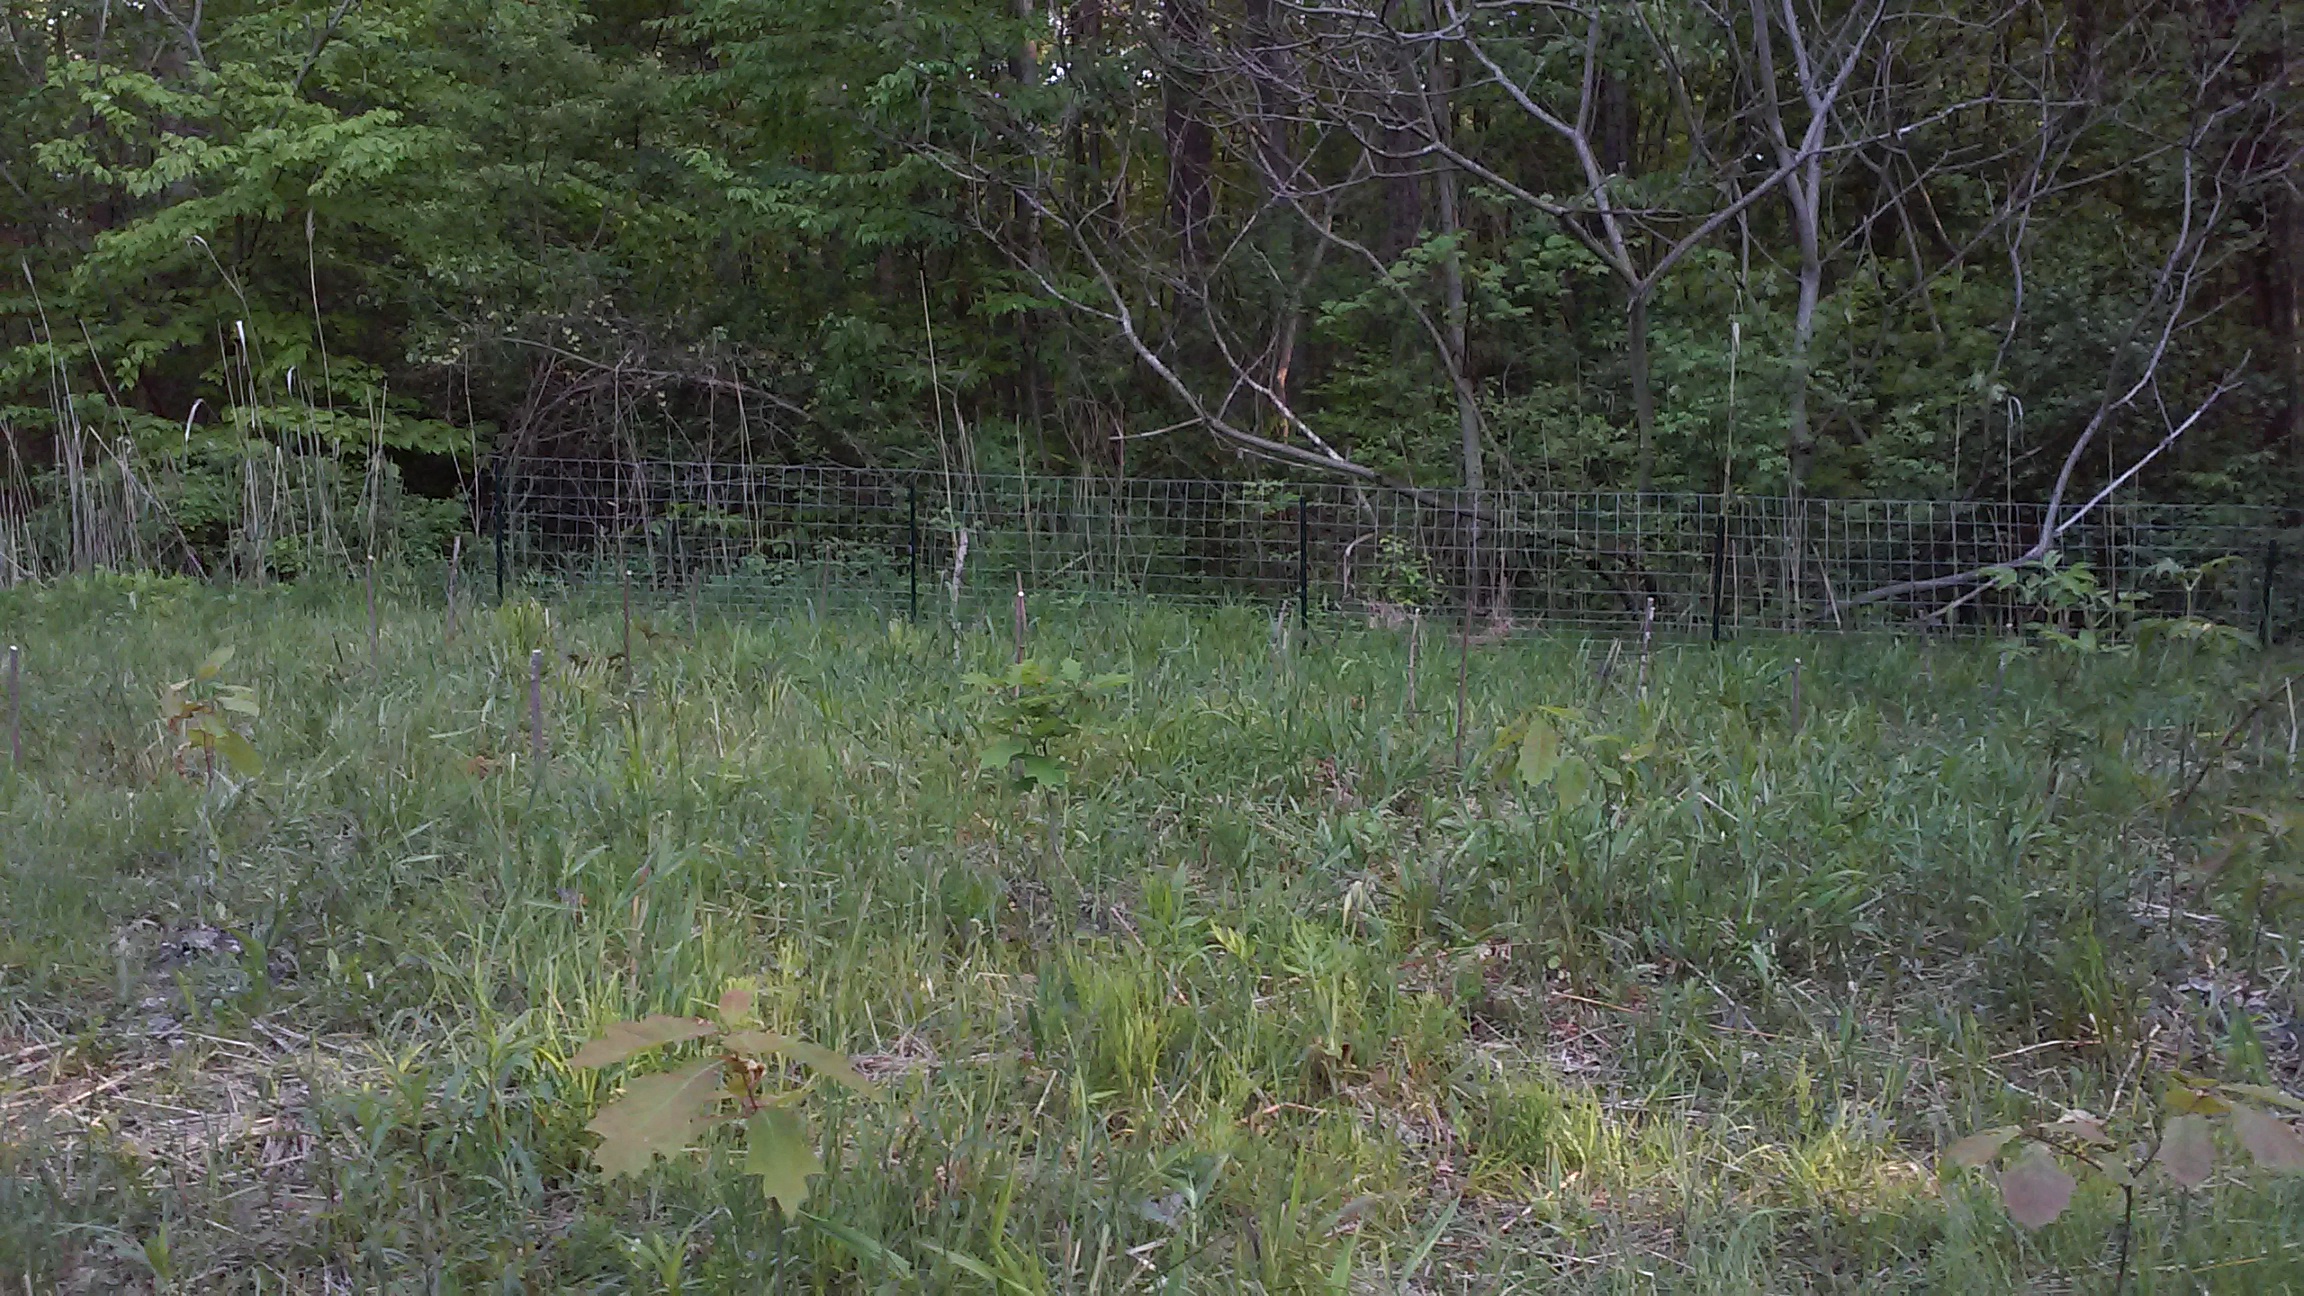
(937, 543)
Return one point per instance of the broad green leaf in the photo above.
(2084, 1129)
(736, 1008)
(236, 750)
(777, 1149)
(656, 1114)
(1044, 771)
(215, 663)
(2036, 1189)
(2265, 1094)
(1539, 752)
(239, 701)
(815, 1056)
(1979, 1148)
(998, 753)
(2184, 1099)
(2268, 1139)
(2188, 1150)
(625, 1038)
(1573, 783)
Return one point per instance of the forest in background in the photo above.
(2019, 249)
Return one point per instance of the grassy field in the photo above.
(1271, 995)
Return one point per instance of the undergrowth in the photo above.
(1264, 993)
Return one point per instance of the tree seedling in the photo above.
(199, 716)
(1034, 706)
(2035, 1163)
(660, 1114)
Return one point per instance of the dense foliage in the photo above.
(1859, 246)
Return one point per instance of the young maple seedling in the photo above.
(2036, 1186)
(660, 1113)
(198, 713)
(1036, 706)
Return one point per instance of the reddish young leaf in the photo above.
(736, 1007)
(2268, 1139)
(2036, 1189)
(816, 1056)
(625, 1038)
(1979, 1148)
(2188, 1150)
(2084, 1129)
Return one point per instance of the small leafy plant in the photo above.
(2255, 868)
(1401, 577)
(2192, 578)
(1561, 749)
(1033, 707)
(2036, 1186)
(202, 715)
(2081, 615)
(524, 625)
(660, 1113)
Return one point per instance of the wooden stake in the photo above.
(1647, 632)
(16, 715)
(1019, 619)
(455, 560)
(372, 635)
(1463, 678)
(2289, 688)
(627, 629)
(1795, 695)
(1415, 638)
(536, 707)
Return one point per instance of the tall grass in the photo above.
(1273, 996)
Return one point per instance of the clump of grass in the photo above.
(1267, 994)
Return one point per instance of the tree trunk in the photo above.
(1024, 66)
(1452, 289)
(1191, 144)
(1439, 110)
(2288, 199)
(1803, 197)
(1643, 397)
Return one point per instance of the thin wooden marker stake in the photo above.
(1019, 620)
(371, 582)
(1463, 677)
(536, 707)
(2289, 687)
(1647, 633)
(15, 713)
(1795, 695)
(627, 629)
(455, 560)
(1415, 638)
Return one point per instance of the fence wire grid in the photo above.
(937, 543)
